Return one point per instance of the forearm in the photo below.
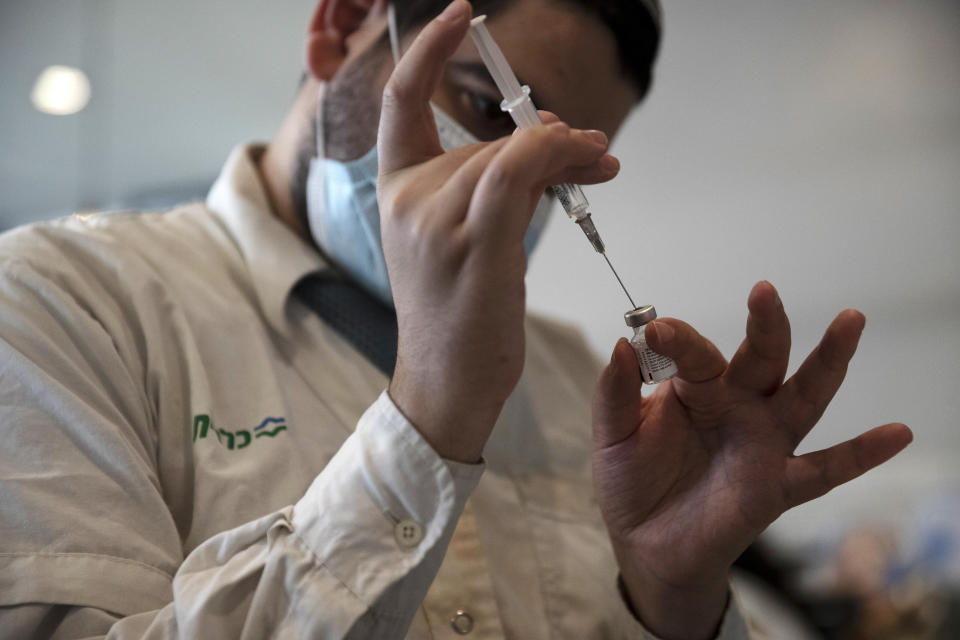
(432, 414)
(334, 565)
(337, 564)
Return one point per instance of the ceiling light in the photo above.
(61, 91)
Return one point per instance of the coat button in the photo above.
(408, 533)
(462, 622)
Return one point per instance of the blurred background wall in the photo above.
(815, 144)
(175, 85)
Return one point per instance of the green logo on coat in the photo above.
(203, 426)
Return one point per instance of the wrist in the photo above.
(455, 429)
(671, 610)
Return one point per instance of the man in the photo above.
(197, 438)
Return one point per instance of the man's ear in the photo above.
(329, 37)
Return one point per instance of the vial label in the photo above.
(654, 367)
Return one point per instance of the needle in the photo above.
(617, 276)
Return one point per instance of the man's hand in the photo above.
(452, 227)
(688, 477)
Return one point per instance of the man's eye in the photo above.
(484, 117)
(484, 107)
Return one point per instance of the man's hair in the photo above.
(635, 30)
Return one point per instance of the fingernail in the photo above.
(597, 136)
(664, 332)
(609, 164)
(613, 357)
(454, 11)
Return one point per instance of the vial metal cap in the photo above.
(640, 316)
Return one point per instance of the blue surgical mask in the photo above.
(344, 217)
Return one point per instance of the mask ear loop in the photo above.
(321, 143)
(392, 30)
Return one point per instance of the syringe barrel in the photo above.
(525, 115)
(572, 200)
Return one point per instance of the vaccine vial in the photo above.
(654, 367)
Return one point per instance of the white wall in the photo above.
(815, 144)
(176, 84)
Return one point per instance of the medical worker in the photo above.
(314, 406)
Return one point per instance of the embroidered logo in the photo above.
(203, 425)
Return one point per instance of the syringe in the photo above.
(517, 102)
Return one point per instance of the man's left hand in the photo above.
(688, 477)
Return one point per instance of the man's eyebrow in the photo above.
(479, 71)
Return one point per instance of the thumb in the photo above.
(408, 131)
(617, 401)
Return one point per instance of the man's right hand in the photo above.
(452, 226)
